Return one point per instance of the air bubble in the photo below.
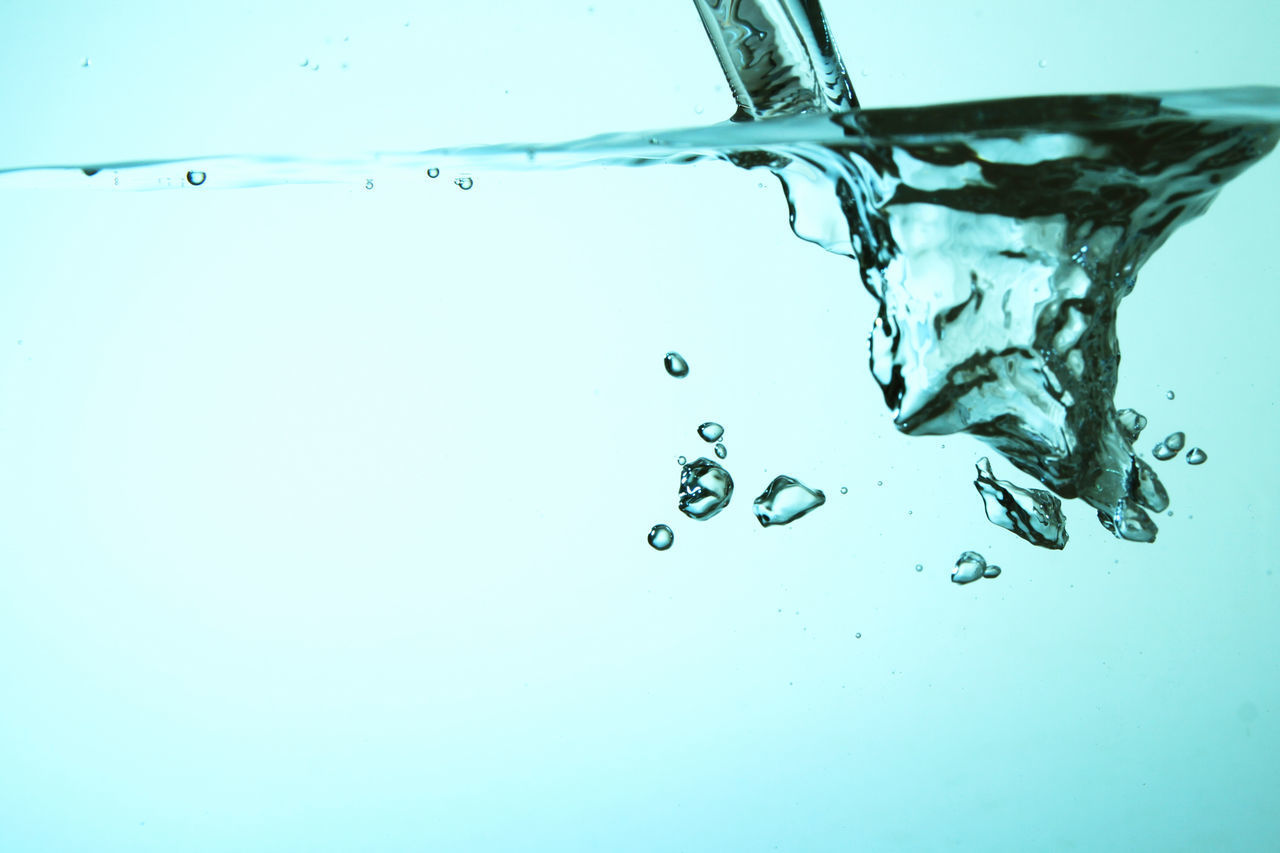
(1132, 423)
(1169, 395)
(1196, 456)
(464, 183)
(1044, 63)
(919, 567)
(681, 460)
(705, 489)
(433, 172)
(1175, 441)
(661, 537)
(969, 567)
(676, 365)
(711, 431)
(368, 183)
(785, 500)
(844, 490)
(721, 451)
(1162, 452)
(991, 572)
(195, 178)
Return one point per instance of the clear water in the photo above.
(337, 494)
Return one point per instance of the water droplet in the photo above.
(705, 489)
(721, 451)
(1044, 63)
(919, 567)
(991, 572)
(464, 183)
(368, 183)
(844, 490)
(710, 431)
(1175, 441)
(1196, 456)
(969, 567)
(676, 365)
(1033, 514)
(195, 178)
(681, 460)
(661, 537)
(1132, 423)
(1169, 395)
(433, 172)
(785, 500)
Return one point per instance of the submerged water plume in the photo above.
(997, 238)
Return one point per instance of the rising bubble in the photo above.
(464, 183)
(919, 567)
(661, 537)
(844, 490)
(705, 489)
(991, 572)
(969, 567)
(721, 451)
(1175, 441)
(433, 172)
(676, 365)
(681, 460)
(1169, 395)
(1162, 452)
(711, 431)
(785, 500)
(1132, 423)
(195, 178)
(1196, 456)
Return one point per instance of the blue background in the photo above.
(324, 508)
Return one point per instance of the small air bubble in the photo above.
(304, 63)
(919, 567)
(195, 178)
(433, 172)
(858, 635)
(710, 431)
(1044, 63)
(368, 183)
(721, 451)
(1169, 395)
(991, 572)
(1175, 441)
(464, 183)
(682, 460)
(676, 365)
(661, 537)
(1196, 456)
(844, 490)
(1163, 453)
(84, 63)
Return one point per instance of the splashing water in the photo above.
(1033, 514)
(997, 238)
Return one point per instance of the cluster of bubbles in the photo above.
(706, 487)
(971, 566)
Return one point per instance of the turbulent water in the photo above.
(998, 238)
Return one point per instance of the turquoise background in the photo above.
(324, 509)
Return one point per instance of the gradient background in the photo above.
(324, 509)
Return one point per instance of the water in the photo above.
(785, 500)
(337, 494)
